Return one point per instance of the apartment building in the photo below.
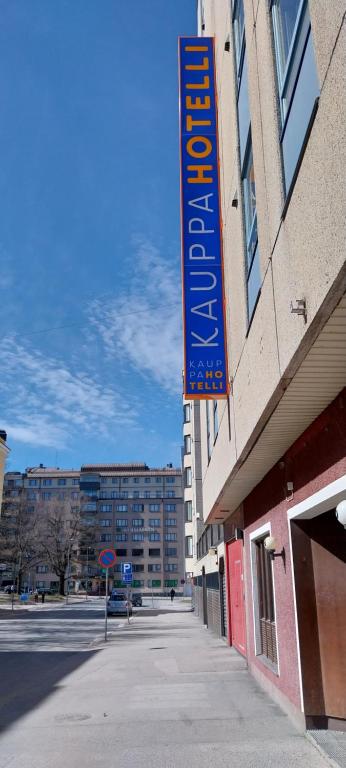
(138, 511)
(272, 452)
(4, 451)
(135, 510)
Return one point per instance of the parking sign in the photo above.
(126, 573)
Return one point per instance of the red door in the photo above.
(236, 595)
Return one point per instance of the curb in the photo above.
(329, 760)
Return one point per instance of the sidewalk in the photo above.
(163, 693)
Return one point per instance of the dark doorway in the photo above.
(319, 555)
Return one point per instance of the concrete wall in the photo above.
(302, 252)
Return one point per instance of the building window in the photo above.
(187, 413)
(239, 33)
(154, 567)
(121, 523)
(187, 444)
(74, 495)
(137, 552)
(137, 507)
(170, 552)
(297, 77)
(188, 511)
(158, 479)
(75, 481)
(138, 567)
(46, 481)
(171, 567)
(252, 266)
(263, 596)
(170, 480)
(188, 477)
(105, 537)
(147, 494)
(207, 415)
(61, 481)
(171, 582)
(154, 583)
(154, 552)
(105, 523)
(215, 419)
(154, 536)
(124, 480)
(170, 494)
(147, 479)
(154, 507)
(170, 536)
(172, 521)
(135, 494)
(170, 507)
(137, 522)
(46, 495)
(105, 508)
(121, 552)
(188, 546)
(42, 569)
(135, 480)
(40, 584)
(138, 537)
(250, 214)
(33, 483)
(121, 537)
(121, 507)
(31, 495)
(155, 522)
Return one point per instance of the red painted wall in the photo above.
(314, 460)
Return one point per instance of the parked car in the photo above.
(117, 604)
(136, 600)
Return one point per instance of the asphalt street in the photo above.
(162, 693)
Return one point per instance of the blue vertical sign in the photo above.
(205, 354)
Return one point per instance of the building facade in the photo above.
(273, 462)
(135, 510)
(4, 450)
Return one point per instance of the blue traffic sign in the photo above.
(126, 572)
(24, 597)
(107, 558)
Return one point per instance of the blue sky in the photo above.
(90, 314)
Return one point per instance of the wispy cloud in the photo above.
(48, 402)
(142, 324)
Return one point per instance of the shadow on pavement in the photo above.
(28, 678)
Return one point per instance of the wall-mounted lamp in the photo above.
(235, 202)
(227, 45)
(271, 545)
(213, 551)
(341, 512)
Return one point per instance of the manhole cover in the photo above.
(72, 717)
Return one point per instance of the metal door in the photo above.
(237, 596)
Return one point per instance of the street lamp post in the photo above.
(87, 574)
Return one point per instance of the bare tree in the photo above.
(59, 538)
(18, 537)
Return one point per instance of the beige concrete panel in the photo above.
(222, 460)
(204, 450)
(310, 250)
(266, 122)
(258, 372)
(235, 289)
(326, 21)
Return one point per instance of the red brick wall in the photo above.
(314, 460)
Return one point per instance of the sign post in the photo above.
(106, 559)
(126, 577)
